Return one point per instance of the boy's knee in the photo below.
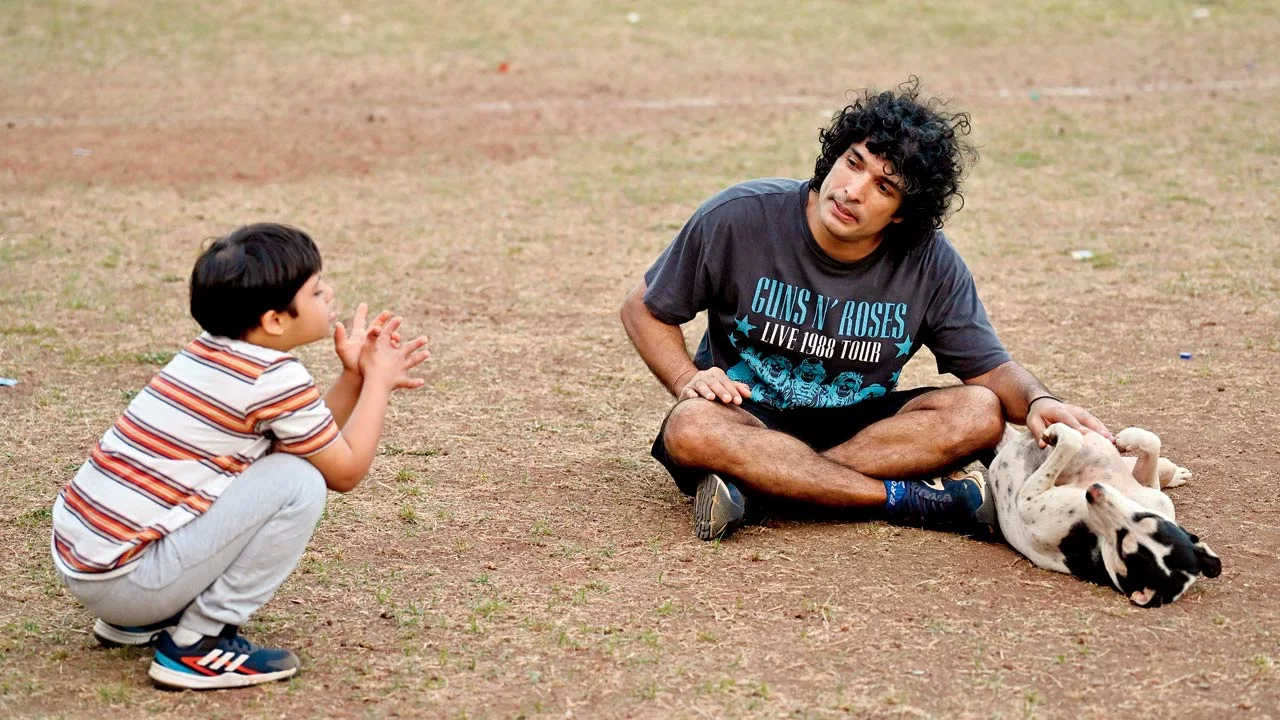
(303, 481)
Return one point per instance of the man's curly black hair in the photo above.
(921, 142)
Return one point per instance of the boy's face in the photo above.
(313, 306)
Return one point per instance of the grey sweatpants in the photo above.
(224, 565)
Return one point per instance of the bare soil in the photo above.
(515, 552)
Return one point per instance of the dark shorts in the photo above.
(819, 428)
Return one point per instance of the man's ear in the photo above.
(895, 219)
(273, 323)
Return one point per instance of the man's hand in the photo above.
(713, 384)
(383, 358)
(348, 345)
(1047, 411)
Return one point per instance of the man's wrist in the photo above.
(1038, 398)
(680, 382)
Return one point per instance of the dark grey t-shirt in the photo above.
(805, 330)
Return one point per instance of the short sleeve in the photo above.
(957, 330)
(288, 406)
(678, 281)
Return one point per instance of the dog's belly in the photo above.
(1049, 528)
(1097, 462)
(1038, 533)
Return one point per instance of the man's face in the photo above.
(858, 198)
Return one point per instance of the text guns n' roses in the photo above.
(861, 327)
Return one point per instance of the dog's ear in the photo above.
(1208, 562)
(1142, 597)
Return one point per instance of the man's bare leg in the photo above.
(931, 432)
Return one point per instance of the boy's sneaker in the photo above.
(719, 508)
(225, 660)
(112, 636)
(958, 500)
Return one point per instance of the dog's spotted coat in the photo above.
(1079, 507)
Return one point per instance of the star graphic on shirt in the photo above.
(744, 325)
(733, 340)
(904, 347)
(893, 379)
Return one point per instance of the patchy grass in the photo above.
(514, 551)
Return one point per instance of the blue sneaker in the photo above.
(719, 508)
(218, 661)
(112, 636)
(958, 500)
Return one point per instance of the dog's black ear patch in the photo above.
(1180, 558)
(1083, 557)
(1210, 564)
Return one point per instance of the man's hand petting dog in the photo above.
(713, 384)
(1048, 411)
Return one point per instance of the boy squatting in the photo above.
(199, 501)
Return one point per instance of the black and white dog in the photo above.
(1079, 507)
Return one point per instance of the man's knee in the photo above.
(980, 412)
(688, 430)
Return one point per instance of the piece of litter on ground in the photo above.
(633, 17)
(1201, 13)
(1081, 254)
(8, 382)
(81, 152)
(1184, 355)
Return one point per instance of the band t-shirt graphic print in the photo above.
(801, 329)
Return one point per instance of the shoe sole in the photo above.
(177, 680)
(714, 512)
(110, 636)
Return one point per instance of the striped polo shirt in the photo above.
(218, 406)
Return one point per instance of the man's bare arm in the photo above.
(1027, 401)
(662, 348)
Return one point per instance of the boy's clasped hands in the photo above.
(374, 351)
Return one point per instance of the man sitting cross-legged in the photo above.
(818, 292)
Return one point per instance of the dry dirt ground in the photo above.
(515, 552)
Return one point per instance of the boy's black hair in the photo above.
(243, 275)
(923, 145)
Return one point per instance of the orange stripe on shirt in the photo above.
(235, 363)
(304, 397)
(314, 443)
(165, 449)
(64, 551)
(148, 483)
(105, 523)
(199, 406)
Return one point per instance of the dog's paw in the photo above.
(1063, 435)
(1136, 440)
(1176, 476)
